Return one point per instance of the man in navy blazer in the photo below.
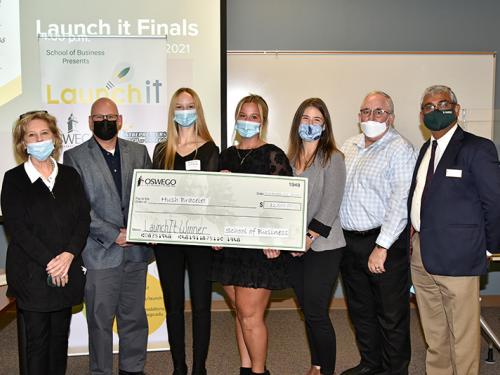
(454, 207)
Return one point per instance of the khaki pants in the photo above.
(449, 311)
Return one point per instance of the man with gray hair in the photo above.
(375, 263)
(454, 206)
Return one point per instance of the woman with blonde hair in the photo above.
(47, 216)
(189, 147)
(249, 275)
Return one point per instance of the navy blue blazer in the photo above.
(460, 218)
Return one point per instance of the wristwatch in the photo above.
(310, 236)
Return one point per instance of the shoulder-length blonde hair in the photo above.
(326, 146)
(263, 111)
(19, 132)
(200, 125)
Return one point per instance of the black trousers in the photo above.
(172, 261)
(43, 341)
(313, 278)
(379, 303)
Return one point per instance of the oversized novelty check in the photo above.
(218, 209)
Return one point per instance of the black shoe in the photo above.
(199, 372)
(181, 370)
(361, 370)
(123, 372)
(261, 373)
(245, 371)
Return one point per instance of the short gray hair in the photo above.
(386, 96)
(439, 89)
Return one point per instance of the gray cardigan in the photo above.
(325, 190)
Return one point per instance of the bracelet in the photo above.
(310, 236)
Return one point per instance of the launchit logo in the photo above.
(153, 181)
(121, 86)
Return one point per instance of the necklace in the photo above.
(242, 160)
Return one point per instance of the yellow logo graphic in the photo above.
(10, 90)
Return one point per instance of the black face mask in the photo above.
(105, 129)
(438, 120)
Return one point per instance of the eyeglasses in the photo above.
(442, 106)
(110, 117)
(377, 112)
(40, 111)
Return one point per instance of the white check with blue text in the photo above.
(218, 209)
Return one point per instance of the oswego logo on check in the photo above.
(141, 181)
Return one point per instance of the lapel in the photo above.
(448, 158)
(313, 173)
(126, 162)
(100, 164)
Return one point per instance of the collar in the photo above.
(34, 175)
(445, 139)
(112, 152)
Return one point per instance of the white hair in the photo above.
(439, 89)
(386, 96)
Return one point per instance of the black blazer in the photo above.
(460, 218)
(41, 225)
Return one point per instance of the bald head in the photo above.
(104, 106)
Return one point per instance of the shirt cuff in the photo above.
(384, 241)
(320, 228)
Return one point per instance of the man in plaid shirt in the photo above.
(373, 214)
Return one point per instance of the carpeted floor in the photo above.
(288, 352)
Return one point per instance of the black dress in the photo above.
(173, 260)
(250, 267)
(208, 154)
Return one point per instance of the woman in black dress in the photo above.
(249, 275)
(189, 146)
(47, 216)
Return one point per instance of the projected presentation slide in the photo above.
(137, 53)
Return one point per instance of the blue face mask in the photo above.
(185, 118)
(40, 150)
(310, 133)
(247, 129)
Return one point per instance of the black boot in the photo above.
(261, 373)
(199, 372)
(245, 371)
(180, 370)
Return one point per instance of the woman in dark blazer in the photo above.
(47, 216)
(189, 147)
(314, 155)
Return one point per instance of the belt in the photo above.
(363, 233)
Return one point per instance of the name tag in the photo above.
(193, 165)
(457, 173)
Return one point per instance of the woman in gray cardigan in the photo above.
(313, 154)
